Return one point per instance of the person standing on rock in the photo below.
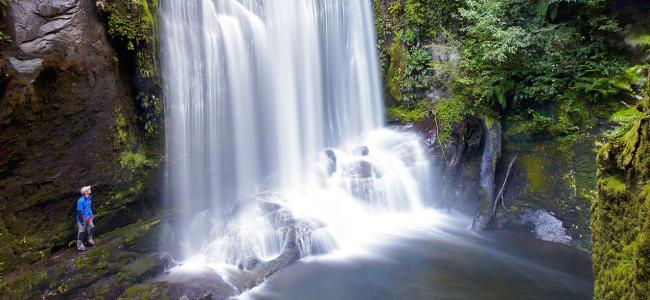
(84, 216)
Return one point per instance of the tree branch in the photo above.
(500, 194)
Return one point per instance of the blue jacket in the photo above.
(85, 206)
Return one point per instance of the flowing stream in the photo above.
(275, 132)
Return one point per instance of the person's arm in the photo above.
(80, 217)
(80, 214)
(92, 215)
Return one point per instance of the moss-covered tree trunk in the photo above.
(620, 217)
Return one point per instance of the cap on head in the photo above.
(85, 189)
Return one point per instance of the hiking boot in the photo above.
(91, 242)
(80, 246)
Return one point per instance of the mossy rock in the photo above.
(620, 217)
(555, 175)
(146, 291)
(105, 271)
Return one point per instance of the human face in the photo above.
(87, 194)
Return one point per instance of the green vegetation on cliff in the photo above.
(620, 221)
(552, 72)
(404, 30)
(545, 63)
(556, 73)
(132, 24)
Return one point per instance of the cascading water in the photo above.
(274, 128)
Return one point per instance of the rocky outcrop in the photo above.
(122, 258)
(41, 28)
(66, 120)
(556, 176)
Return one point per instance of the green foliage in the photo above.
(516, 56)
(133, 23)
(633, 77)
(404, 29)
(413, 112)
(450, 114)
(129, 159)
(624, 119)
(515, 53)
(5, 39)
(151, 112)
(409, 73)
(627, 116)
(561, 120)
(491, 39)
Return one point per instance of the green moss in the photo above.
(630, 140)
(612, 188)
(134, 23)
(146, 291)
(395, 70)
(620, 217)
(450, 114)
(103, 272)
(418, 112)
(140, 269)
(535, 173)
(557, 175)
(133, 160)
(125, 140)
(24, 285)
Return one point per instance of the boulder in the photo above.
(546, 226)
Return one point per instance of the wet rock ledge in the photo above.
(121, 259)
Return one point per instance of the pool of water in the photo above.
(453, 263)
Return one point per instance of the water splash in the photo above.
(274, 129)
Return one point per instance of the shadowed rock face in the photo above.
(62, 97)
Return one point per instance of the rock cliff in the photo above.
(67, 119)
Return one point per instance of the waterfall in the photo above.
(274, 118)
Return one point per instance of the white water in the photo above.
(256, 91)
